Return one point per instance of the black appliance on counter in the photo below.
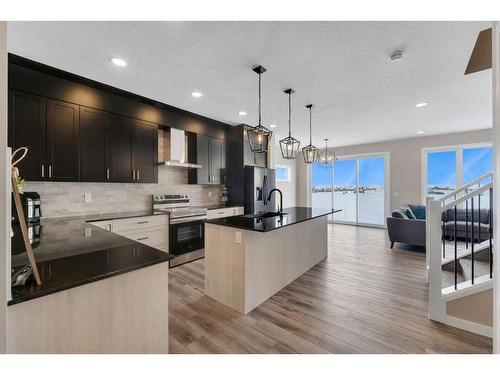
(186, 227)
(32, 207)
(31, 204)
(259, 181)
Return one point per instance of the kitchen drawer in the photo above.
(147, 236)
(106, 224)
(224, 212)
(140, 222)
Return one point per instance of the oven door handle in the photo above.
(189, 219)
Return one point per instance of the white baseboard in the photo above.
(466, 325)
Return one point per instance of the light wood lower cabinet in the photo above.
(127, 313)
(148, 230)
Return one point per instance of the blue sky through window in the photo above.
(371, 173)
(477, 161)
(441, 168)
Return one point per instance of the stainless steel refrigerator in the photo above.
(259, 182)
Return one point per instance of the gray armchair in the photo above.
(403, 229)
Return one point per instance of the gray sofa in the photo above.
(405, 229)
(464, 225)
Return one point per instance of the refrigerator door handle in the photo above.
(264, 188)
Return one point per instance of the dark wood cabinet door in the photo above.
(27, 128)
(122, 149)
(145, 151)
(216, 151)
(62, 141)
(203, 158)
(95, 155)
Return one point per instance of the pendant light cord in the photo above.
(260, 100)
(290, 114)
(310, 125)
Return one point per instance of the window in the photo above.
(355, 185)
(451, 168)
(283, 173)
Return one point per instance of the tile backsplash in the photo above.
(61, 199)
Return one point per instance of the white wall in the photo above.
(496, 143)
(405, 162)
(4, 190)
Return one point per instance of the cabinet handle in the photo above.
(108, 227)
(107, 173)
(142, 238)
(133, 174)
(138, 175)
(50, 171)
(142, 222)
(43, 171)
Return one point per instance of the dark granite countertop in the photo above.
(292, 215)
(73, 252)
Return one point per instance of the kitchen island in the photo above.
(100, 292)
(249, 258)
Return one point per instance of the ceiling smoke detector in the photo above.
(397, 55)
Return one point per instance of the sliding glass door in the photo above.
(371, 191)
(344, 190)
(355, 185)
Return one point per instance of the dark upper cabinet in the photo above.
(122, 149)
(145, 147)
(217, 163)
(95, 145)
(62, 141)
(210, 153)
(27, 128)
(203, 158)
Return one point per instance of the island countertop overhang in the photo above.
(291, 216)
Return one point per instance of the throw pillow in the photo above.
(410, 213)
(399, 214)
(420, 214)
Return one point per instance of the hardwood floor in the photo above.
(364, 298)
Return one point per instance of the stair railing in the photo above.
(438, 229)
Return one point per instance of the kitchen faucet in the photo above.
(280, 207)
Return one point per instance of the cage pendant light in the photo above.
(289, 146)
(259, 136)
(310, 152)
(326, 156)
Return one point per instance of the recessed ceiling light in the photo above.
(423, 104)
(420, 132)
(272, 125)
(119, 62)
(197, 94)
(242, 113)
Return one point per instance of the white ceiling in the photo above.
(343, 68)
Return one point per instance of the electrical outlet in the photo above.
(88, 232)
(238, 237)
(87, 197)
(209, 194)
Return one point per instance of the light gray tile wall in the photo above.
(61, 199)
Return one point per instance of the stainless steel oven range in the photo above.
(186, 227)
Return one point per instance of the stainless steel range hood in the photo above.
(178, 154)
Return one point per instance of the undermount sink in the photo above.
(265, 215)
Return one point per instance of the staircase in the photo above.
(459, 246)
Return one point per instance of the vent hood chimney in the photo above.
(178, 154)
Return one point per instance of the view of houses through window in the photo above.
(355, 185)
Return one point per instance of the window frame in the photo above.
(288, 173)
(459, 162)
